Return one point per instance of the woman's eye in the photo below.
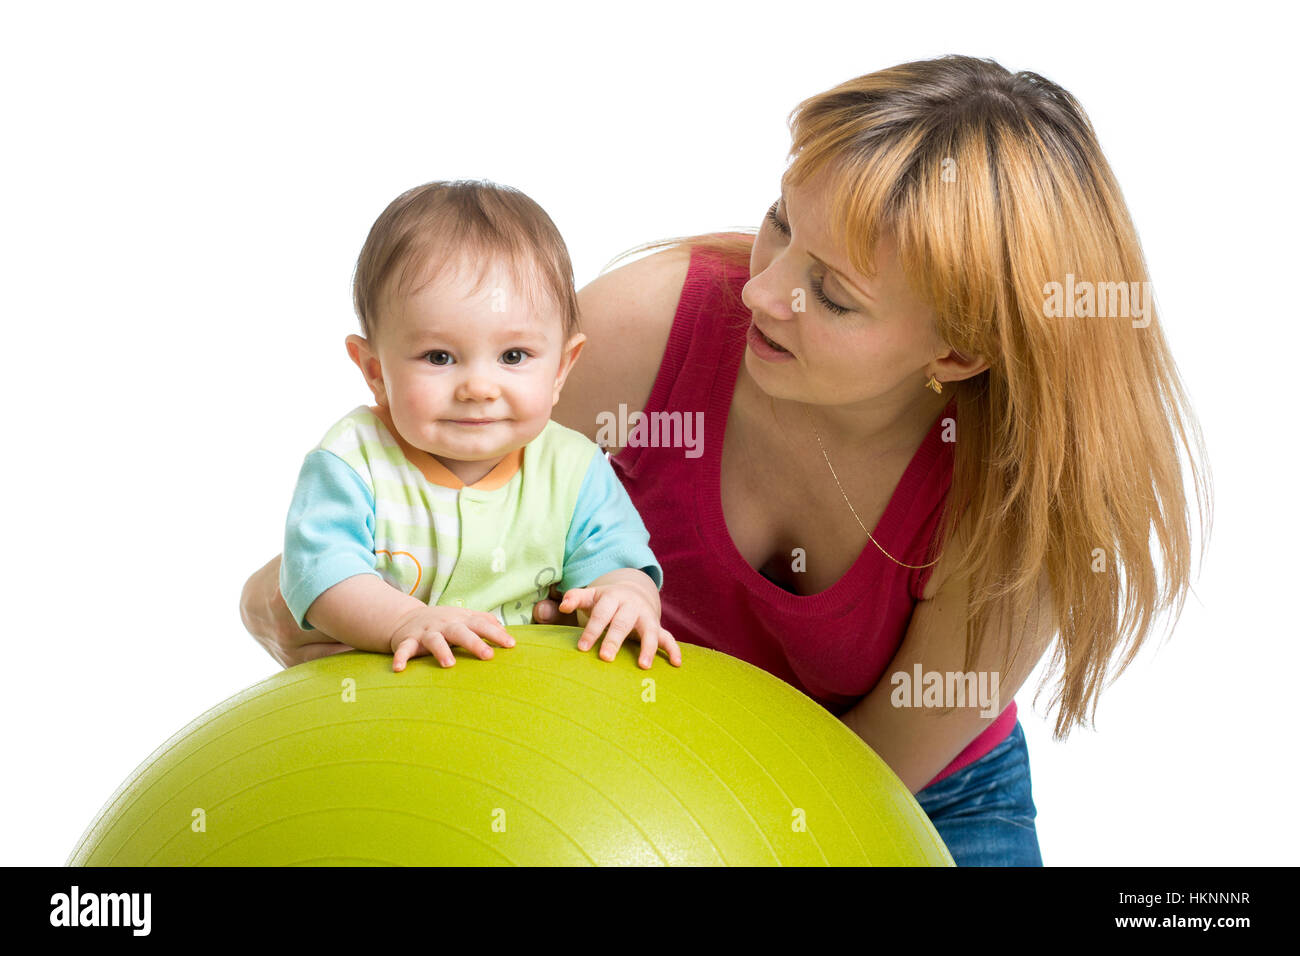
(775, 220)
(438, 357)
(513, 356)
(820, 292)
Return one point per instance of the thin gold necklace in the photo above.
(855, 510)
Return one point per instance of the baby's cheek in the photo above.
(538, 401)
(540, 410)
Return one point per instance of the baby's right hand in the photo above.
(432, 629)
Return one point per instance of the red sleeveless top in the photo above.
(835, 645)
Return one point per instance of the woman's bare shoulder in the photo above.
(627, 315)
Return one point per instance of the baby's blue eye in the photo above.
(438, 356)
(513, 356)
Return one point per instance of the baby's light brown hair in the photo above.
(433, 226)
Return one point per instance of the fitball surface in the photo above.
(542, 756)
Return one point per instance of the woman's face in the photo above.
(848, 338)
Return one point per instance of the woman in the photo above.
(915, 460)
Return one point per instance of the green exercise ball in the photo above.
(542, 756)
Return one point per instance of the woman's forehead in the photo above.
(814, 203)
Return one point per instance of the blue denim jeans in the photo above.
(985, 811)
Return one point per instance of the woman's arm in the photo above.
(269, 620)
(918, 742)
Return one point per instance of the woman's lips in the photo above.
(764, 348)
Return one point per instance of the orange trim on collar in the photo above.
(439, 474)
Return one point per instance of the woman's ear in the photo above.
(954, 366)
(360, 351)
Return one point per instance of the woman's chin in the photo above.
(771, 379)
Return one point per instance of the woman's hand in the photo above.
(269, 620)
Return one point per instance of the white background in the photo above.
(185, 191)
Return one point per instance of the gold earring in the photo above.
(934, 384)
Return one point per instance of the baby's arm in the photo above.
(606, 533)
(328, 535)
(610, 571)
(362, 611)
(329, 581)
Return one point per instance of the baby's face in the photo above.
(471, 376)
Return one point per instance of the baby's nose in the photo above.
(478, 388)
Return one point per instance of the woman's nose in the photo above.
(770, 292)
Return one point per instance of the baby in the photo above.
(445, 510)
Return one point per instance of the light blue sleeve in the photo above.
(606, 532)
(329, 535)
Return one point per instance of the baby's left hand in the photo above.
(623, 607)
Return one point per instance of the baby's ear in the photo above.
(572, 349)
(363, 356)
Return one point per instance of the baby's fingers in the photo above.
(575, 598)
(596, 621)
(669, 644)
(463, 634)
(648, 628)
(407, 649)
(431, 641)
(436, 644)
(489, 627)
(624, 619)
(653, 638)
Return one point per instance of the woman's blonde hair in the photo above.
(1068, 459)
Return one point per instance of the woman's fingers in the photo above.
(311, 652)
(268, 619)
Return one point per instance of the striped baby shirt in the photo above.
(552, 511)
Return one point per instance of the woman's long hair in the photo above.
(1068, 459)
